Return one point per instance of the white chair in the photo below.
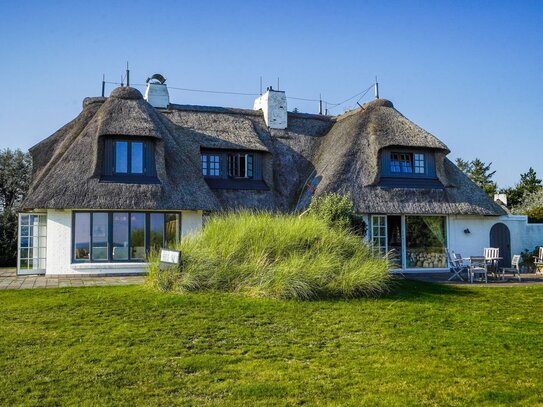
(477, 266)
(515, 269)
(456, 265)
(492, 255)
(538, 261)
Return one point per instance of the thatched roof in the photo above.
(69, 162)
(333, 154)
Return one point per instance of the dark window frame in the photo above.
(109, 172)
(206, 159)
(110, 235)
(235, 168)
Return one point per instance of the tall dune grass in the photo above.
(276, 256)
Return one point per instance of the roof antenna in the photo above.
(277, 83)
(127, 75)
(260, 85)
(376, 88)
(103, 84)
(122, 81)
(320, 104)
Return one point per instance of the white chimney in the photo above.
(274, 106)
(501, 197)
(156, 92)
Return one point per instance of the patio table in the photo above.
(493, 264)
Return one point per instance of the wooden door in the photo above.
(500, 237)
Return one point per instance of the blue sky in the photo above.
(470, 72)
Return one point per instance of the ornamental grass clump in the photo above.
(274, 256)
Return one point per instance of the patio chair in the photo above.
(456, 265)
(514, 267)
(538, 261)
(492, 255)
(478, 266)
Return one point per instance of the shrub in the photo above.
(337, 211)
(276, 256)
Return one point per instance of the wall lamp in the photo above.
(467, 231)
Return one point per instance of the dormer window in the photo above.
(129, 160)
(408, 169)
(240, 165)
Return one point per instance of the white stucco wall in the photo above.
(191, 222)
(523, 234)
(59, 246)
(59, 237)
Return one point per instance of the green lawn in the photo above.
(423, 344)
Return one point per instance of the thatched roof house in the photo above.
(123, 155)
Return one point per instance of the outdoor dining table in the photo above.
(494, 264)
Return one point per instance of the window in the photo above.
(240, 165)
(128, 161)
(129, 157)
(211, 165)
(32, 243)
(379, 234)
(122, 236)
(401, 162)
(419, 164)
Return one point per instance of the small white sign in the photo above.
(169, 256)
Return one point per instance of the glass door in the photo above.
(32, 247)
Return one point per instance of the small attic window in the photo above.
(240, 165)
(129, 160)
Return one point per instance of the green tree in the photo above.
(528, 185)
(15, 173)
(479, 172)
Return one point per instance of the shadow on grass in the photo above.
(406, 289)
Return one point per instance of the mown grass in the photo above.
(274, 256)
(422, 344)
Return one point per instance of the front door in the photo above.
(500, 237)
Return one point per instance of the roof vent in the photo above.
(274, 106)
(156, 92)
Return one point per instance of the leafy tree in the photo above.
(532, 205)
(529, 184)
(337, 211)
(479, 172)
(15, 173)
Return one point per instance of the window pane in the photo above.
(121, 157)
(82, 236)
(120, 236)
(249, 165)
(426, 241)
(137, 157)
(137, 236)
(157, 231)
(242, 166)
(204, 164)
(100, 236)
(214, 165)
(171, 229)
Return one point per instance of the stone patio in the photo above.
(443, 278)
(9, 280)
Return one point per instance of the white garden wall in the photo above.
(524, 235)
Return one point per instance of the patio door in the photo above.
(32, 247)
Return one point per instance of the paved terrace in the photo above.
(10, 280)
(443, 278)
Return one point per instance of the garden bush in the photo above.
(275, 256)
